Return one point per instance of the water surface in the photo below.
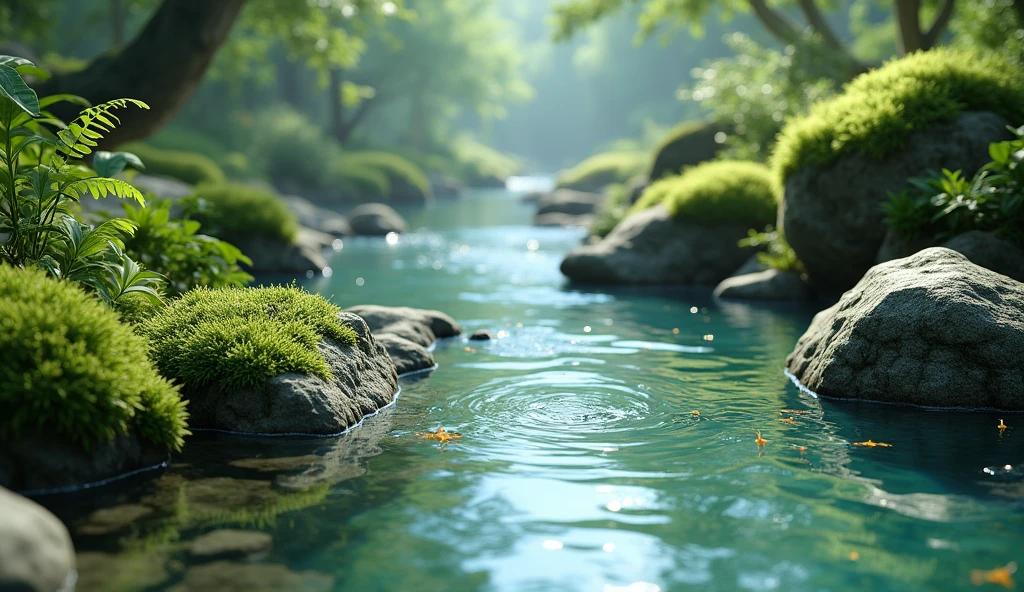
(583, 464)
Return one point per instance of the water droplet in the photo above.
(328, 272)
(360, 281)
(337, 245)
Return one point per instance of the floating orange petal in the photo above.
(441, 435)
(695, 413)
(760, 441)
(854, 556)
(1002, 426)
(873, 444)
(788, 420)
(1001, 576)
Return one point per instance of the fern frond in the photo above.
(102, 187)
(81, 135)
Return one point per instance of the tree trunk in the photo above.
(163, 66)
(117, 23)
(908, 26)
(336, 105)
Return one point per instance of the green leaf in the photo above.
(13, 86)
(1000, 152)
(63, 98)
(31, 70)
(108, 164)
(14, 61)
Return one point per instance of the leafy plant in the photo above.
(41, 177)
(775, 251)
(946, 203)
(175, 249)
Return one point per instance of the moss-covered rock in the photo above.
(76, 383)
(928, 111)
(190, 167)
(407, 181)
(601, 170)
(238, 213)
(716, 192)
(688, 144)
(271, 360)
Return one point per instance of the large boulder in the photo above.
(272, 256)
(649, 247)
(687, 145)
(988, 250)
(833, 216)
(320, 219)
(932, 329)
(375, 219)
(36, 554)
(364, 381)
(407, 333)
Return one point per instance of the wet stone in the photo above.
(109, 520)
(481, 335)
(227, 576)
(229, 543)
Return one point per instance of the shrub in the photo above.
(354, 182)
(174, 249)
(946, 204)
(720, 191)
(879, 109)
(189, 167)
(291, 149)
(71, 370)
(686, 145)
(238, 338)
(408, 182)
(602, 170)
(240, 213)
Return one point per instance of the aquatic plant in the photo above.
(240, 213)
(237, 338)
(713, 192)
(190, 167)
(946, 203)
(878, 110)
(41, 156)
(72, 371)
(601, 170)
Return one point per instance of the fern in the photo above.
(101, 187)
(81, 135)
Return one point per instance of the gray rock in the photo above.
(481, 335)
(406, 355)
(752, 265)
(418, 325)
(29, 464)
(313, 216)
(559, 219)
(229, 576)
(364, 381)
(269, 256)
(991, 252)
(770, 284)
(651, 248)
(567, 201)
(375, 219)
(113, 519)
(36, 554)
(532, 196)
(932, 329)
(636, 187)
(833, 216)
(445, 186)
(230, 544)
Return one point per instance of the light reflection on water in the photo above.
(582, 465)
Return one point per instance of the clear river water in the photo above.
(583, 463)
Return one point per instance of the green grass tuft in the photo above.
(879, 109)
(720, 191)
(602, 170)
(238, 338)
(70, 370)
(240, 213)
(408, 182)
(190, 167)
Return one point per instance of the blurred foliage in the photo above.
(716, 192)
(189, 167)
(241, 213)
(612, 210)
(601, 170)
(775, 252)
(407, 181)
(993, 25)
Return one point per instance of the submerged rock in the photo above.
(932, 329)
(833, 216)
(770, 284)
(230, 543)
(649, 247)
(229, 576)
(407, 332)
(364, 381)
(36, 554)
(375, 219)
(481, 335)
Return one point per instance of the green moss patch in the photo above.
(408, 181)
(879, 109)
(601, 170)
(190, 167)
(70, 370)
(238, 338)
(356, 183)
(713, 192)
(239, 213)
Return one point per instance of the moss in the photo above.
(353, 182)
(879, 109)
(190, 167)
(602, 170)
(479, 165)
(408, 181)
(70, 370)
(687, 144)
(240, 213)
(238, 338)
(720, 191)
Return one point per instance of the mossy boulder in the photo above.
(684, 230)
(189, 167)
(375, 219)
(928, 111)
(271, 360)
(407, 182)
(688, 144)
(932, 329)
(81, 402)
(601, 170)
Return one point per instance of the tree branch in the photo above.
(931, 37)
(820, 25)
(908, 26)
(777, 23)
